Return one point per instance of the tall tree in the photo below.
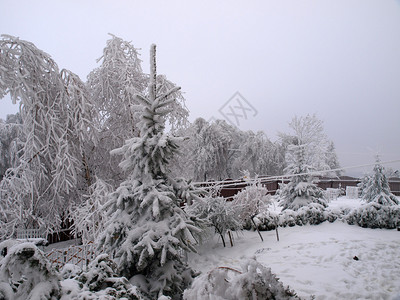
(257, 154)
(208, 151)
(308, 131)
(55, 124)
(148, 231)
(306, 153)
(114, 85)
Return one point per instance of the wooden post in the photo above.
(230, 238)
(256, 228)
(276, 230)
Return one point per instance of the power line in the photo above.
(266, 179)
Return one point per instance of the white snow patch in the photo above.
(330, 260)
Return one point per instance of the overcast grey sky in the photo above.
(339, 59)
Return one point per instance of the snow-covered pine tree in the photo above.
(377, 188)
(306, 153)
(301, 189)
(381, 209)
(362, 186)
(332, 159)
(148, 232)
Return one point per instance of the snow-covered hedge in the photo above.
(266, 220)
(375, 215)
(254, 281)
(312, 214)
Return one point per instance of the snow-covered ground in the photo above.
(330, 260)
(316, 260)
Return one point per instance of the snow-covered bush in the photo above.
(254, 281)
(312, 214)
(337, 214)
(98, 281)
(223, 215)
(375, 215)
(251, 201)
(266, 220)
(101, 279)
(25, 273)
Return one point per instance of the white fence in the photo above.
(30, 234)
(352, 192)
(332, 194)
(77, 255)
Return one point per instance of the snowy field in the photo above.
(319, 260)
(316, 260)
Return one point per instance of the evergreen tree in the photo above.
(332, 159)
(148, 232)
(301, 189)
(381, 209)
(377, 189)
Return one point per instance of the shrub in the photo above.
(375, 215)
(254, 281)
(25, 273)
(100, 281)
